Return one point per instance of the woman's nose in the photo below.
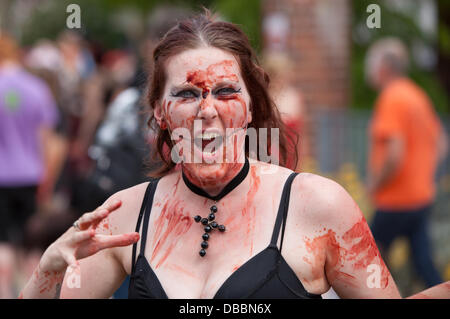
(207, 110)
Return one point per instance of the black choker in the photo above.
(210, 223)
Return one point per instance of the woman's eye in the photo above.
(186, 94)
(226, 91)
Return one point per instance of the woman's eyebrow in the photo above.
(226, 82)
(183, 86)
(223, 84)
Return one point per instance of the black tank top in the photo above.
(264, 276)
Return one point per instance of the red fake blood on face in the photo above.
(167, 112)
(229, 104)
(214, 73)
(190, 121)
(243, 107)
(200, 79)
(165, 106)
(170, 224)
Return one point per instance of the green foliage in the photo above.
(403, 26)
(50, 19)
(247, 14)
(444, 38)
(97, 23)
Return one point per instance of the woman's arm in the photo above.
(441, 291)
(353, 266)
(79, 263)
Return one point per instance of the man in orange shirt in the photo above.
(407, 142)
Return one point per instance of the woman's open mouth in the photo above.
(208, 142)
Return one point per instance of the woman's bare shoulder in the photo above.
(315, 184)
(130, 195)
(323, 200)
(125, 217)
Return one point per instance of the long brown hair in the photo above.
(200, 31)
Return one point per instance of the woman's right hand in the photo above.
(84, 241)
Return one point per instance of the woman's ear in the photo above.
(249, 113)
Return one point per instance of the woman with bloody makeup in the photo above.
(220, 226)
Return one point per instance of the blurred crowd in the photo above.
(71, 135)
(73, 131)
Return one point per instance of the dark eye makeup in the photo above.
(186, 94)
(226, 91)
(189, 93)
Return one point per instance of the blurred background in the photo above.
(88, 85)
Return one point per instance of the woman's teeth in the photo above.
(208, 135)
(208, 142)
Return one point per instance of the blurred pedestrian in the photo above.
(77, 65)
(407, 143)
(119, 143)
(81, 98)
(27, 117)
(44, 61)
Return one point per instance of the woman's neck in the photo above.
(213, 181)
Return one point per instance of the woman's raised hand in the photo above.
(82, 240)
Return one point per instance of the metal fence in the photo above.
(341, 150)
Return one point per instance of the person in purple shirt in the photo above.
(28, 114)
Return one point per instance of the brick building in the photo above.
(316, 35)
